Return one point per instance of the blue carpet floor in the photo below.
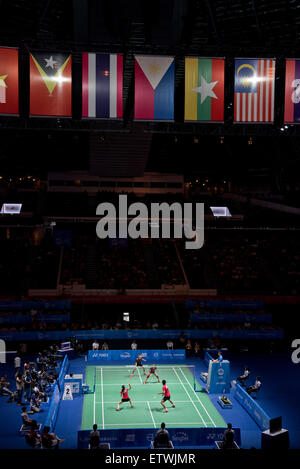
(278, 396)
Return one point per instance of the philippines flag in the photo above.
(102, 86)
(292, 91)
(254, 83)
(154, 87)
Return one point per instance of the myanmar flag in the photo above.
(204, 89)
(9, 81)
(50, 84)
(154, 87)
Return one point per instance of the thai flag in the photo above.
(102, 86)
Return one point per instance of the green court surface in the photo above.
(193, 409)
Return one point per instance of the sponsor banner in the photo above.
(35, 305)
(141, 437)
(233, 318)
(254, 410)
(142, 334)
(131, 355)
(55, 398)
(27, 319)
(215, 304)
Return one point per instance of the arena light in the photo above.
(220, 211)
(12, 209)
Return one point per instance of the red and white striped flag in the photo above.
(254, 89)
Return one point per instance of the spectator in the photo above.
(162, 437)
(17, 364)
(170, 345)
(25, 419)
(27, 386)
(33, 438)
(95, 438)
(35, 403)
(255, 387)
(188, 349)
(95, 345)
(134, 345)
(39, 394)
(155, 325)
(182, 339)
(228, 437)
(50, 440)
(104, 346)
(20, 387)
(196, 349)
(245, 376)
(4, 384)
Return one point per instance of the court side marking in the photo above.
(102, 399)
(151, 414)
(199, 400)
(189, 396)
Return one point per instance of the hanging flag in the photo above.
(9, 81)
(254, 82)
(204, 89)
(102, 86)
(154, 87)
(50, 84)
(292, 91)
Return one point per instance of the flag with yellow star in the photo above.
(9, 81)
(154, 87)
(50, 84)
(204, 89)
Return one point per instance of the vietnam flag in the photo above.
(50, 84)
(9, 81)
(154, 87)
(204, 89)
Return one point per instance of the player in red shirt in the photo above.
(125, 397)
(152, 371)
(167, 395)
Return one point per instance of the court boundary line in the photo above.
(141, 402)
(189, 396)
(151, 414)
(135, 384)
(139, 375)
(148, 423)
(102, 399)
(203, 423)
(213, 422)
(94, 407)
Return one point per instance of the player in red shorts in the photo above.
(125, 397)
(152, 371)
(167, 395)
